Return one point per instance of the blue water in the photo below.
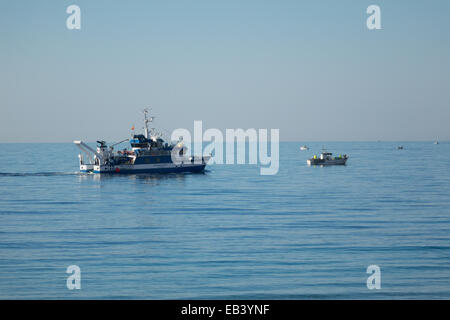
(305, 233)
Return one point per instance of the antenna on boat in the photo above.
(146, 121)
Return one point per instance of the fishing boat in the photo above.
(326, 158)
(149, 153)
(303, 148)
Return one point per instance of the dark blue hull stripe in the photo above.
(157, 170)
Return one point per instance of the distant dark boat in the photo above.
(400, 148)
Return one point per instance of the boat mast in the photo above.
(146, 121)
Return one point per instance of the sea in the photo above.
(230, 232)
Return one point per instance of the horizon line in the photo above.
(296, 141)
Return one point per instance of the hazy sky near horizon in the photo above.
(309, 68)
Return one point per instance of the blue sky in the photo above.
(310, 68)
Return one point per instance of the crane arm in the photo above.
(83, 146)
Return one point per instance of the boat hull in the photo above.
(321, 162)
(86, 168)
(149, 168)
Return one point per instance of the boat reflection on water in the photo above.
(141, 177)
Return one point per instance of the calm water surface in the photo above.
(305, 233)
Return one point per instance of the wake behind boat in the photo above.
(149, 154)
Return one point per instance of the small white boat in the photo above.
(303, 148)
(327, 159)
